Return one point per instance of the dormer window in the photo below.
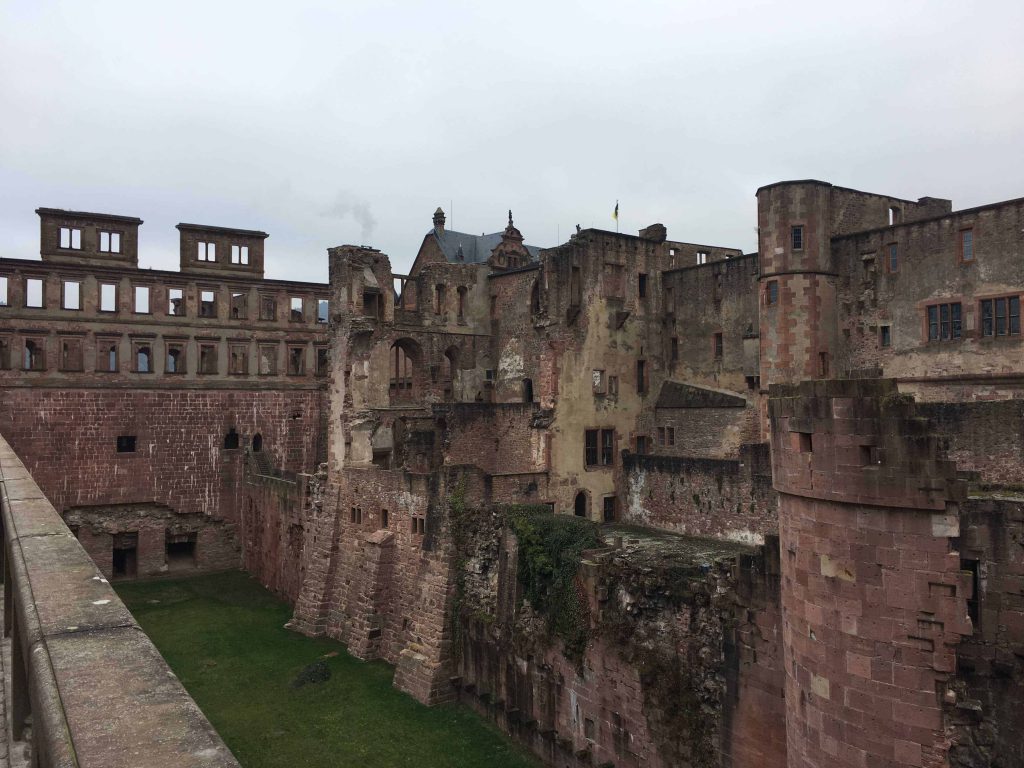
(71, 238)
(110, 242)
(207, 251)
(239, 254)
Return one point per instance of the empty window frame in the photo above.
(206, 251)
(268, 308)
(1000, 316)
(296, 361)
(174, 359)
(885, 336)
(641, 285)
(71, 294)
(295, 309)
(176, 302)
(608, 509)
(383, 518)
(238, 359)
(771, 294)
(661, 435)
(462, 302)
(34, 358)
(599, 447)
(718, 341)
(71, 354)
(240, 254)
(108, 297)
(5, 353)
(600, 383)
(110, 242)
(702, 257)
(674, 349)
(142, 299)
(892, 259)
(142, 357)
(967, 245)
(356, 515)
(3, 291)
(823, 366)
(797, 237)
(268, 360)
(71, 237)
(208, 358)
(438, 299)
(34, 297)
(207, 303)
(613, 386)
(106, 355)
(418, 525)
(126, 443)
(641, 376)
(323, 364)
(239, 306)
(944, 322)
(641, 444)
(322, 310)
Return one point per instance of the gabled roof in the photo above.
(476, 249)
(675, 394)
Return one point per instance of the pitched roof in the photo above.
(476, 249)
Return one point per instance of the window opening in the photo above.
(580, 504)
(206, 251)
(142, 299)
(71, 355)
(944, 322)
(124, 559)
(296, 309)
(34, 293)
(72, 294)
(126, 443)
(35, 355)
(268, 308)
(1000, 317)
(71, 237)
(296, 361)
(239, 306)
(175, 362)
(207, 304)
(967, 245)
(208, 358)
(110, 242)
(798, 238)
(108, 297)
(143, 359)
(322, 310)
(240, 254)
(181, 551)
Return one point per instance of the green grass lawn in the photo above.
(224, 636)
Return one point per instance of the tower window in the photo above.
(206, 251)
(110, 242)
(239, 254)
(798, 238)
(71, 237)
(967, 245)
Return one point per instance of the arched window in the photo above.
(527, 390)
(581, 504)
(405, 364)
(257, 443)
(231, 439)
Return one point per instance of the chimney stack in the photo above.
(439, 221)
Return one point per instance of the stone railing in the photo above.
(87, 688)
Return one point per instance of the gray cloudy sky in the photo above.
(350, 122)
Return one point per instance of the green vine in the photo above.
(550, 550)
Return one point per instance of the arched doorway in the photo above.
(257, 443)
(581, 504)
(527, 390)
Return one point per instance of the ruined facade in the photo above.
(640, 501)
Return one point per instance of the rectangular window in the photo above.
(142, 299)
(599, 382)
(641, 445)
(1001, 316)
(5, 353)
(419, 526)
(175, 302)
(175, 358)
(296, 309)
(719, 346)
(967, 245)
(35, 355)
(108, 297)
(674, 349)
(702, 257)
(208, 358)
(641, 376)
(438, 299)
(322, 308)
(106, 355)
(661, 435)
(71, 354)
(71, 294)
(823, 365)
(268, 308)
(772, 294)
(670, 434)
(3, 291)
(268, 360)
(642, 285)
(110, 242)
(239, 306)
(207, 304)
(206, 251)
(240, 254)
(944, 322)
(798, 238)
(613, 385)
(238, 359)
(892, 263)
(34, 292)
(609, 509)
(296, 361)
(885, 336)
(322, 361)
(599, 447)
(71, 238)
(126, 443)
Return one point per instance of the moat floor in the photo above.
(223, 635)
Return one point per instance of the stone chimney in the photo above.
(439, 221)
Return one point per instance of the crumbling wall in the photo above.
(726, 498)
(983, 437)
(271, 528)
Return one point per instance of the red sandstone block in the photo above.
(918, 716)
(907, 752)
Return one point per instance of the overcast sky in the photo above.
(350, 122)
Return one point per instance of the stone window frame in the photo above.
(323, 366)
(718, 346)
(1009, 317)
(324, 304)
(240, 254)
(137, 346)
(111, 235)
(72, 232)
(797, 241)
(28, 279)
(271, 316)
(233, 347)
(180, 344)
(292, 347)
(885, 336)
(952, 301)
(100, 285)
(892, 258)
(135, 298)
(106, 343)
(38, 340)
(213, 344)
(183, 297)
(243, 315)
(292, 318)
(262, 346)
(62, 360)
(604, 450)
(206, 251)
(64, 283)
(213, 313)
(5, 290)
(6, 342)
(771, 293)
(966, 246)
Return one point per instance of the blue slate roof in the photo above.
(476, 249)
